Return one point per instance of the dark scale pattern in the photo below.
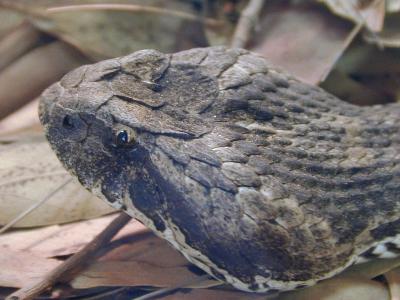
(276, 183)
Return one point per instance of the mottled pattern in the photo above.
(261, 180)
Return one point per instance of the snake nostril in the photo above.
(68, 122)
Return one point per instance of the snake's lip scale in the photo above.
(262, 181)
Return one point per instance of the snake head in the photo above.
(105, 122)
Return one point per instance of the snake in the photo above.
(262, 181)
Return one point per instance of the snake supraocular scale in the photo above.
(257, 178)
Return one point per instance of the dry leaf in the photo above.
(364, 59)
(303, 39)
(228, 13)
(30, 171)
(24, 134)
(350, 90)
(392, 6)
(111, 28)
(18, 42)
(28, 76)
(354, 283)
(131, 273)
(114, 32)
(390, 35)
(366, 75)
(147, 260)
(215, 294)
(371, 12)
(22, 268)
(393, 281)
(340, 289)
(26, 116)
(9, 20)
(372, 268)
(143, 259)
(61, 240)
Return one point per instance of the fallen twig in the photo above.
(74, 264)
(247, 21)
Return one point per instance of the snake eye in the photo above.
(124, 138)
(68, 123)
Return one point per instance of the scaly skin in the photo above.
(257, 178)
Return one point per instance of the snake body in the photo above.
(262, 181)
